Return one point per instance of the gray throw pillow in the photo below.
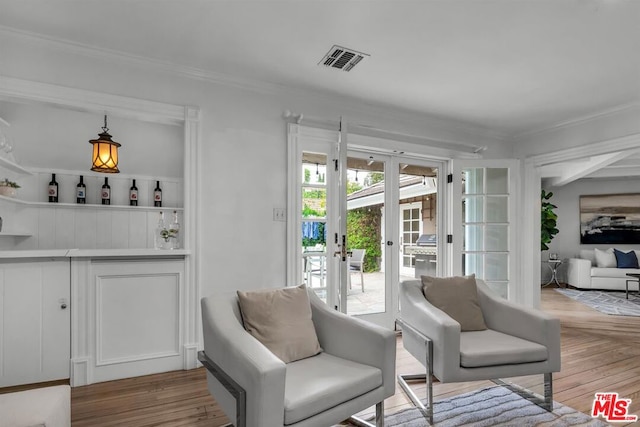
(458, 297)
(605, 259)
(281, 320)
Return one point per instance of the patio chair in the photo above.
(315, 266)
(516, 340)
(356, 264)
(354, 371)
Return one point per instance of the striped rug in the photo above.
(607, 302)
(493, 406)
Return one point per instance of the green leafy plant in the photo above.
(6, 183)
(548, 221)
(363, 232)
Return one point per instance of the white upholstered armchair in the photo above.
(254, 388)
(518, 341)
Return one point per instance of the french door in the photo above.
(347, 229)
(485, 221)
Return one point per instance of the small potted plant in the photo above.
(8, 188)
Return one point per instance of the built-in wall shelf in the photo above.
(13, 166)
(91, 206)
(15, 234)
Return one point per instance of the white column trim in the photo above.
(193, 222)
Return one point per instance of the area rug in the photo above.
(607, 302)
(493, 406)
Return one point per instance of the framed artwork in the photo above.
(610, 218)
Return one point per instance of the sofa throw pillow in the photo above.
(458, 297)
(626, 259)
(605, 259)
(281, 320)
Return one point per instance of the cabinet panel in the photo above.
(34, 328)
(131, 318)
(138, 317)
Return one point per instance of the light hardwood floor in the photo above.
(599, 353)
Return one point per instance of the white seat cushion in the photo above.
(318, 383)
(613, 272)
(490, 348)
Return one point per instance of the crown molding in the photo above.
(613, 111)
(91, 101)
(392, 112)
(628, 142)
(111, 55)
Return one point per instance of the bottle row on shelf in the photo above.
(105, 192)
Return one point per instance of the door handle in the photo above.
(342, 253)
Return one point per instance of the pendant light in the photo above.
(105, 152)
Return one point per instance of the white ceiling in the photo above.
(513, 66)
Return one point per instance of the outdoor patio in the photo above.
(369, 301)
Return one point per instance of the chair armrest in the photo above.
(435, 324)
(521, 321)
(579, 273)
(356, 340)
(243, 358)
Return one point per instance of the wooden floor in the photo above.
(599, 353)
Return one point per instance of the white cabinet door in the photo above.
(35, 328)
(131, 320)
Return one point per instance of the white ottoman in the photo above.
(48, 406)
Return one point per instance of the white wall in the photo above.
(567, 198)
(243, 148)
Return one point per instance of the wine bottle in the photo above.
(106, 192)
(157, 195)
(81, 192)
(161, 234)
(53, 189)
(133, 194)
(174, 231)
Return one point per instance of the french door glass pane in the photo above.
(496, 267)
(497, 180)
(313, 213)
(473, 181)
(418, 195)
(485, 221)
(474, 238)
(473, 264)
(474, 209)
(366, 288)
(497, 209)
(496, 238)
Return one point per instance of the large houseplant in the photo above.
(548, 221)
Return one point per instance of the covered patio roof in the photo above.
(410, 186)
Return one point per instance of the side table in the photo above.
(634, 277)
(553, 266)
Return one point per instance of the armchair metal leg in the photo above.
(545, 402)
(427, 410)
(230, 385)
(357, 421)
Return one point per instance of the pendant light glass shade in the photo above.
(105, 152)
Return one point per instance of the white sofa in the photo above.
(583, 273)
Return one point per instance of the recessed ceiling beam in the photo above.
(576, 171)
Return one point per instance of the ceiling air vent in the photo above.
(342, 58)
